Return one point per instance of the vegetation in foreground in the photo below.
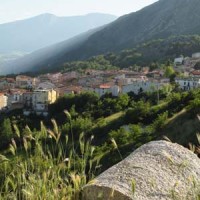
(50, 159)
(46, 165)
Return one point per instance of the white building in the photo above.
(3, 84)
(25, 81)
(15, 100)
(187, 61)
(7, 83)
(105, 89)
(141, 86)
(178, 61)
(102, 89)
(196, 55)
(115, 90)
(46, 86)
(124, 81)
(188, 83)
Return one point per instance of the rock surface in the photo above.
(158, 170)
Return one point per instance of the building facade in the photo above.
(188, 83)
(3, 101)
(41, 99)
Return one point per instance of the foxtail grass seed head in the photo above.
(14, 144)
(66, 160)
(192, 147)
(51, 134)
(133, 185)
(198, 138)
(3, 158)
(114, 143)
(168, 156)
(28, 129)
(12, 149)
(66, 139)
(25, 144)
(67, 114)
(92, 150)
(55, 126)
(92, 137)
(166, 138)
(17, 132)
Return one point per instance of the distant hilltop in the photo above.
(161, 20)
(46, 29)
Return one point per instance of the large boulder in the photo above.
(158, 170)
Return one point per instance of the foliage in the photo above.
(122, 136)
(138, 112)
(163, 51)
(98, 63)
(46, 167)
(62, 156)
(197, 66)
(6, 132)
(169, 72)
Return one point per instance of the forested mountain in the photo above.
(160, 20)
(151, 53)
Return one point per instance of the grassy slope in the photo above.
(104, 125)
(182, 128)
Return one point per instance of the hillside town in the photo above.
(100, 100)
(34, 94)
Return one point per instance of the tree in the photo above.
(121, 136)
(197, 66)
(138, 112)
(123, 100)
(153, 66)
(6, 132)
(195, 106)
(169, 72)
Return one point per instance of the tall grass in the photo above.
(46, 164)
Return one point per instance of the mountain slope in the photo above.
(52, 55)
(31, 34)
(162, 19)
(159, 20)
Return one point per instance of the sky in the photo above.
(12, 10)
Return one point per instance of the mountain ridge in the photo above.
(46, 29)
(161, 20)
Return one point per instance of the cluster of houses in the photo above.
(185, 65)
(33, 95)
(129, 81)
(27, 93)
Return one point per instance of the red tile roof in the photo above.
(196, 72)
(104, 86)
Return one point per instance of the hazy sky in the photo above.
(11, 10)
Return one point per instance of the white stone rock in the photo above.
(161, 171)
